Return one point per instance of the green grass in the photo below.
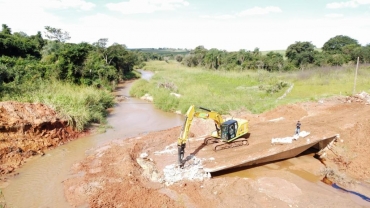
(80, 105)
(255, 91)
(166, 51)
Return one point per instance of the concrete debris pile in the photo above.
(364, 96)
(192, 170)
(359, 98)
(289, 140)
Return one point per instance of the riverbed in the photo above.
(39, 182)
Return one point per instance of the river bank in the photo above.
(38, 182)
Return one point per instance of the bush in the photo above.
(179, 58)
(336, 60)
(140, 88)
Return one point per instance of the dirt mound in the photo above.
(27, 129)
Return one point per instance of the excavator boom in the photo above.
(226, 131)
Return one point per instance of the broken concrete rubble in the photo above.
(289, 140)
(192, 170)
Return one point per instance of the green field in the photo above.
(162, 51)
(79, 105)
(254, 91)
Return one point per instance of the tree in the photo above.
(301, 53)
(122, 59)
(179, 57)
(56, 34)
(211, 59)
(335, 45)
(363, 53)
(103, 50)
(38, 41)
(199, 53)
(6, 30)
(349, 52)
(274, 61)
(18, 44)
(256, 52)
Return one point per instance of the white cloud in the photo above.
(334, 15)
(232, 33)
(146, 6)
(219, 17)
(260, 11)
(33, 15)
(346, 4)
(29, 17)
(47, 4)
(249, 12)
(65, 4)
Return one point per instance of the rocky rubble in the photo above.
(360, 97)
(192, 170)
(289, 140)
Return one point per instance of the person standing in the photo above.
(298, 127)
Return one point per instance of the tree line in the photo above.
(24, 58)
(337, 51)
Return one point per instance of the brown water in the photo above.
(289, 165)
(39, 183)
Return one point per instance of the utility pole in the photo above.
(354, 86)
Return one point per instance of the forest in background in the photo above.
(337, 51)
(76, 79)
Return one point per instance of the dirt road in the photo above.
(118, 175)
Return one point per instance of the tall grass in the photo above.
(256, 91)
(222, 91)
(80, 105)
(329, 81)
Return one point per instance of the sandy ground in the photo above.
(116, 175)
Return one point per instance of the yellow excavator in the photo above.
(228, 134)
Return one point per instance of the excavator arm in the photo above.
(190, 114)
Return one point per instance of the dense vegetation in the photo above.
(337, 51)
(76, 79)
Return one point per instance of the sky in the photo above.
(222, 24)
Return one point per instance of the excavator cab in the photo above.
(229, 129)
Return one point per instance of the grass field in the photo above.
(254, 91)
(80, 105)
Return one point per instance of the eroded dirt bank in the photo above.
(27, 129)
(114, 176)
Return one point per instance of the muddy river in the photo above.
(39, 183)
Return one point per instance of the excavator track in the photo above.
(226, 145)
(221, 145)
